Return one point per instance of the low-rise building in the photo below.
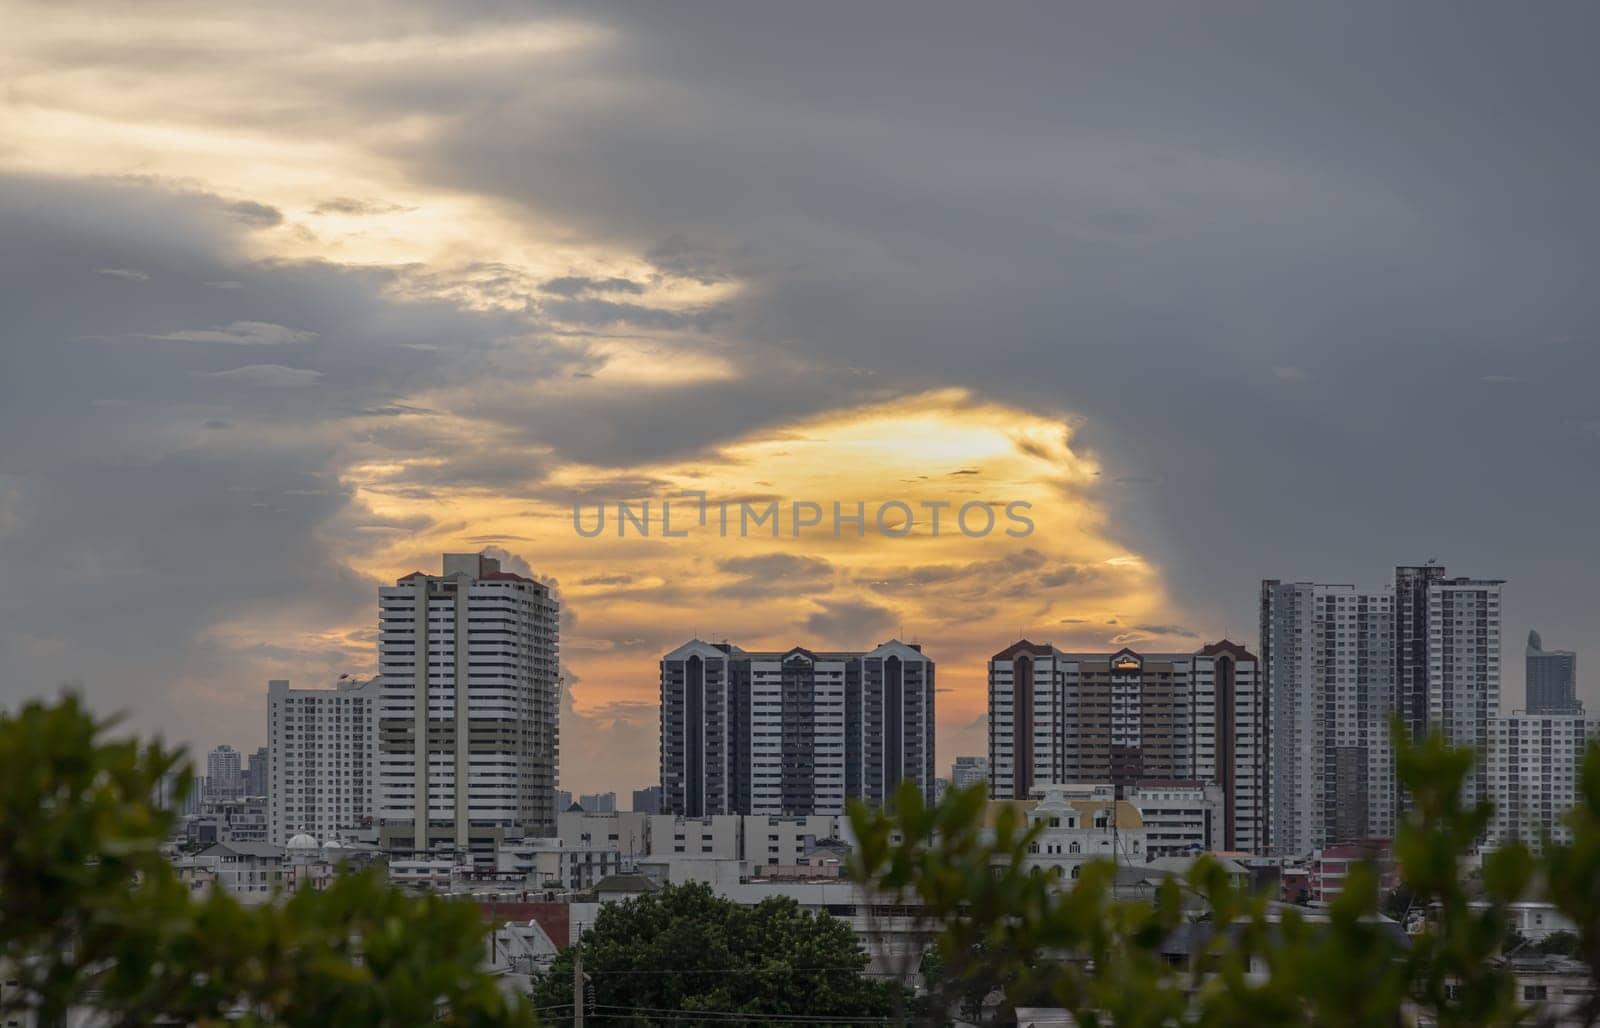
(1330, 867)
(1180, 816)
(548, 863)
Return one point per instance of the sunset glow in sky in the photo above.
(298, 298)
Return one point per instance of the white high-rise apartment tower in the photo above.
(470, 696)
(1532, 772)
(1341, 663)
(321, 744)
(1329, 656)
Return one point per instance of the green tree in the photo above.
(687, 949)
(92, 915)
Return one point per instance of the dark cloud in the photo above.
(1034, 207)
(256, 215)
(353, 207)
(1022, 573)
(126, 274)
(849, 623)
(598, 313)
(774, 575)
(164, 499)
(1167, 630)
(576, 285)
(1277, 266)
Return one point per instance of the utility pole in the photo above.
(577, 985)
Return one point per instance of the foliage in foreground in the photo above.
(92, 914)
(999, 929)
(687, 949)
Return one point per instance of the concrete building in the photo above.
(627, 833)
(1079, 822)
(1532, 774)
(647, 800)
(1552, 679)
(969, 771)
(1181, 817)
(1328, 652)
(257, 772)
(1340, 662)
(552, 864)
(599, 802)
(224, 775)
(1057, 717)
(469, 698)
(793, 733)
(1464, 668)
(1412, 584)
(321, 752)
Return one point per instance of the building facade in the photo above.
(969, 771)
(224, 775)
(1057, 717)
(598, 802)
(469, 700)
(321, 749)
(256, 772)
(1464, 668)
(1181, 818)
(1328, 652)
(1552, 679)
(792, 733)
(1532, 774)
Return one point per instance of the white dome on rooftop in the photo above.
(304, 842)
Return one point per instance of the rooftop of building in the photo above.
(818, 656)
(1128, 815)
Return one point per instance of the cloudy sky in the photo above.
(290, 305)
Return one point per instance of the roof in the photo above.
(625, 883)
(1228, 646)
(1022, 646)
(264, 850)
(699, 647)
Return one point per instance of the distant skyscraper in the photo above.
(969, 771)
(256, 772)
(599, 802)
(1552, 682)
(1329, 655)
(1339, 661)
(470, 688)
(647, 800)
(1125, 717)
(224, 780)
(793, 733)
(563, 801)
(1411, 585)
(321, 746)
(1464, 668)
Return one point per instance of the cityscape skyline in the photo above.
(300, 299)
(1509, 697)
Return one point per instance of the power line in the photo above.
(732, 1016)
(747, 970)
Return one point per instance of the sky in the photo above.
(294, 300)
